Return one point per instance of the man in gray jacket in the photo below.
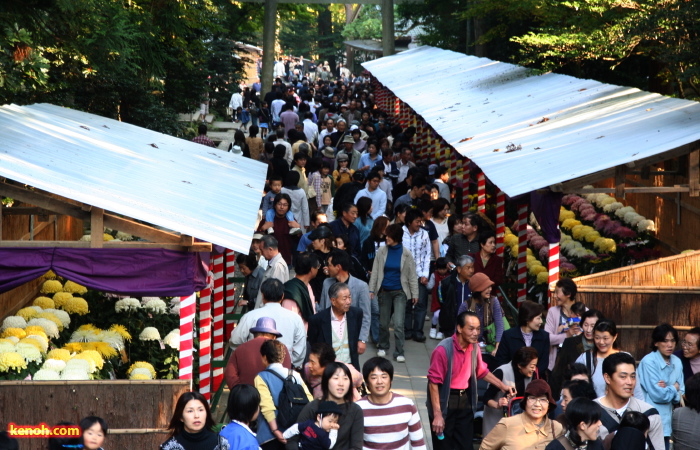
(338, 267)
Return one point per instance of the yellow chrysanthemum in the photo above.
(605, 245)
(33, 342)
(76, 305)
(17, 332)
(94, 356)
(570, 223)
(592, 236)
(74, 347)
(142, 365)
(565, 214)
(51, 287)
(74, 288)
(107, 237)
(61, 297)
(104, 349)
(89, 327)
(50, 275)
(580, 231)
(44, 302)
(542, 277)
(12, 361)
(27, 313)
(52, 318)
(122, 331)
(510, 240)
(91, 362)
(59, 353)
(536, 269)
(43, 342)
(36, 330)
(140, 376)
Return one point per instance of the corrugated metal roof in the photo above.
(567, 127)
(177, 184)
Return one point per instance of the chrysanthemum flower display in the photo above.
(140, 374)
(6, 345)
(74, 288)
(59, 298)
(27, 313)
(17, 332)
(105, 350)
(39, 342)
(47, 375)
(156, 306)
(34, 329)
(49, 327)
(52, 318)
(113, 339)
(50, 275)
(13, 339)
(142, 365)
(76, 305)
(150, 334)
(86, 237)
(172, 339)
(54, 364)
(93, 356)
(79, 363)
(12, 362)
(51, 287)
(13, 322)
(73, 347)
(107, 237)
(29, 352)
(127, 304)
(63, 316)
(44, 302)
(75, 374)
(59, 353)
(122, 331)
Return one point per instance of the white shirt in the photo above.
(276, 268)
(288, 150)
(322, 135)
(378, 198)
(310, 130)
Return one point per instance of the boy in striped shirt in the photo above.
(391, 420)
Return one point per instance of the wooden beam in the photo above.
(43, 201)
(620, 175)
(1, 213)
(37, 230)
(137, 229)
(186, 241)
(97, 227)
(27, 210)
(197, 247)
(693, 290)
(577, 183)
(694, 173)
(631, 190)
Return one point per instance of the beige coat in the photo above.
(409, 278)
(519, 433)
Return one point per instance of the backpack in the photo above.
(290, 402)
(612, 425)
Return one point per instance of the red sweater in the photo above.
(246, 363)
(494, 269)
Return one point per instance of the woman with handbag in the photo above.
(518, 374)
(489, 310)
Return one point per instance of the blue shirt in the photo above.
(392, 268)
(239, 436)
(652, 369)
(366, 160)
(304, 242)
(338, 228)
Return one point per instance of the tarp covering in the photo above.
(139, 272)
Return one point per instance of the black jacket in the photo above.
(450, 303)
(513, 340)
(569, 351)
(346, 194)
(320, 330)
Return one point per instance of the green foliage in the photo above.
(367, 25)
(311, 30)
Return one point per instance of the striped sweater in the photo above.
(392, 426)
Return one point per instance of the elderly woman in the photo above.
(531, 430)
(320, 356)
(518, 374)
(394, 280)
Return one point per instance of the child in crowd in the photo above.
(577, 309)
(631, 434)
(244, 114)
(94, 432)
(268, 212)
(264, 118)
(441, 272)
(320, 434)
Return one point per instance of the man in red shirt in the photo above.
(452, 393)
(203, 138)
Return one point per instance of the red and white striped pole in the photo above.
(397, 108)
(466, 178)
(500, 222)
(522, 252)
(554, 251)
(187, 311)
(481, 192)
(205, 342)
(218, 354)
(230, 292)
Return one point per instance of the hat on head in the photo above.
(479, 282)
(328, 152)
(431, 169)
(538, 388)
(320, 233)
(266, 325)
(343, 157)
(344, 106)
(355, 127)
(349, 139)
(257, 236)
(328, 407)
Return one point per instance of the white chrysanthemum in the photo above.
(6, 347)
(41, 340)
(46, 375)
(78, 363)
(145, 300)
(174, 301)
(75, 374)
(613, 207)
(86, 237)
(150, 334)
(633, 218)
(141, 371)
(127, 304)
(39, 309)
(620, 213)
(54, 364)
(124, 236)
(175, 310)
(114, 339)
(92, 367)
(49, 327)
(156, 306)
(646, 225)
(95, 337)
(13, 322)
(173, 339)
(29, 352)
(63, 316)
(81, 335)
(14, 339)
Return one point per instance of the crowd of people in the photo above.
(373, 238)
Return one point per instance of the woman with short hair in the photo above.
(243, 408)
(583, 419)
(528, 333)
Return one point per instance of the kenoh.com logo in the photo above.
(43, 431)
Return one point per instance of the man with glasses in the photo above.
(689, 353)
(452, 393)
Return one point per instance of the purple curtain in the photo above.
(139, 272)
(546, 207)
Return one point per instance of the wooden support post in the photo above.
(620, 175)
(1, 208)
(694, 173)
(96, 227)
(388, 27)
(269, 33)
